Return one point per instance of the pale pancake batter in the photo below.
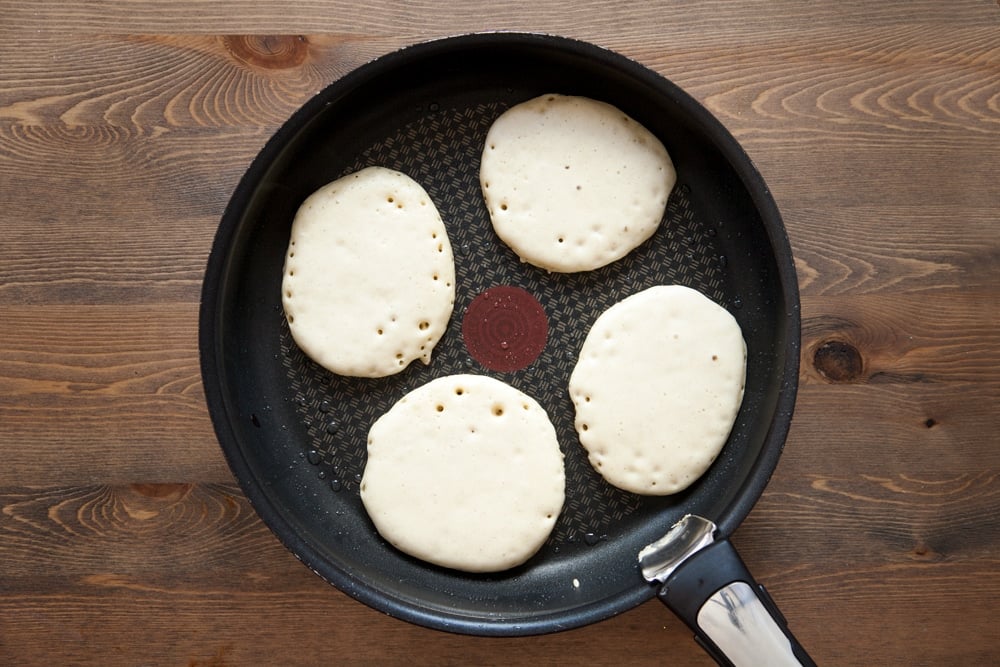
(573, 184)
(464, 472)
(369, 277)
(657, 387)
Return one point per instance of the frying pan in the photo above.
(294, 434)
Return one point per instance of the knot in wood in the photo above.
(838, 361)
(268, 51)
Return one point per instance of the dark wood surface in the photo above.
(124, 128)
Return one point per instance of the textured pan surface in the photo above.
(294, 433)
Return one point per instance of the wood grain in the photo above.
(124, 129)
(94, 559)
(67, 368)
(897, 249)
(694, 20)
(929, 338)
(145, 84)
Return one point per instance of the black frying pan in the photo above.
(294, 434)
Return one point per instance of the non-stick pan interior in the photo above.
(294, 434)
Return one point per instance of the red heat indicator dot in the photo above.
(505, 328)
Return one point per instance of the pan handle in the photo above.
(733, 617)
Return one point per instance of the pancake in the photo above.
(573, 184)
(369, 276)
(464, 472)
(657, 388)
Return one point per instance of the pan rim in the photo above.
(222, 412)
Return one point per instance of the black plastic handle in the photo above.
(733, 617)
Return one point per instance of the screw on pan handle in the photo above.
(733, 617)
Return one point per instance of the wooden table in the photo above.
(124, 128)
